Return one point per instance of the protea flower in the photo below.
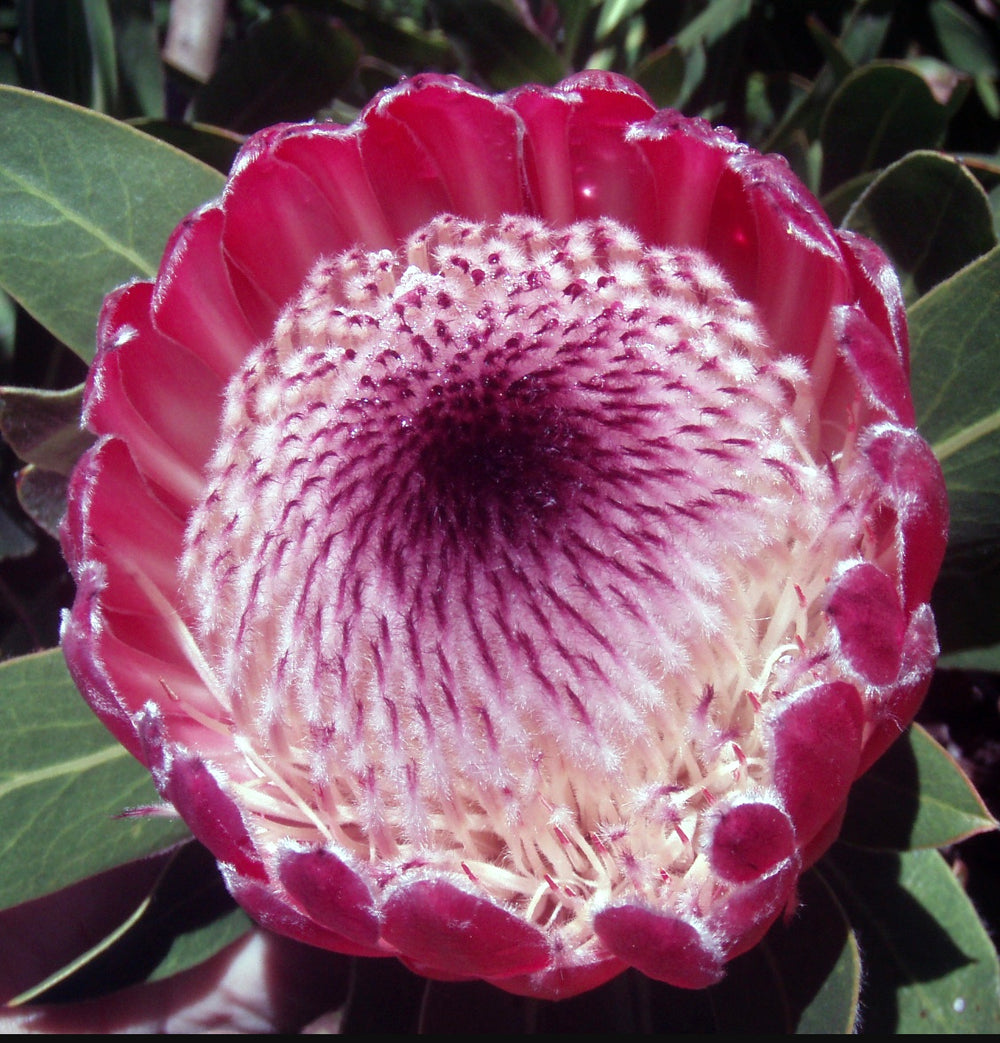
(508, 537)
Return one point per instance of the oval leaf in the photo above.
(63, 781)
(929, 964)
(916, 796)
(878, 114)
(955, 343)
(85, 205)
(930, 216)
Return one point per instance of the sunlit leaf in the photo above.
(916, 796)
(930, 216)
(955, 344)
(929, 964)
(85, 204)
(63, 779)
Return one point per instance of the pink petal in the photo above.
(870, 622)
(662, 946)
(436, 145)
(445, 928)
(580, 160)
(168, 421)
(332, 893)
(750, 840)
(816, 737)
(875, 368)
(877, 287)
(912, 486)
(687, 159)
(301, 227)
(271, 910)
(190, 784)
(194, 303)
(779, 251)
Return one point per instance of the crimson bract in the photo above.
(508, 538)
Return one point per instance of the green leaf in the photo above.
(662, 74)
(60, 53)
(986, 659)
(955, 344)
(43, 427)
(15, 540)
(286, 69)
(930, 216)
(964, 41)
(929, 964)
(612, 14)
(85, 205)
(916, 796)
(42, 495)
(63, 781)
(708, 44)
(140, 69)
(879, 113)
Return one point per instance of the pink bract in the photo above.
(508, 537)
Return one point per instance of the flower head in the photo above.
(508, 538)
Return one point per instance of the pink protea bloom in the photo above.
(508, 537)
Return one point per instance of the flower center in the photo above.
(508, 537)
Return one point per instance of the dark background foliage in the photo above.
(872, 103)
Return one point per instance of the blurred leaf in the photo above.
(214, 146)
(865, 30)
(15, 541)
(840, 64)
(964, 41)
(8, 327)
(286, 69)
(985, 659)
(64, 49)
(877, 115)
(707, 32)
(42, 495)
(140, 70)
(662, 74)
(62, 782)
(85, 204)
(955, 344)
(915, 796)
(43, 427)
(839, 200)
(612, 14)
(930, 216)
(501, 46)
(105, 62)
(929, 964)
(387, 35)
